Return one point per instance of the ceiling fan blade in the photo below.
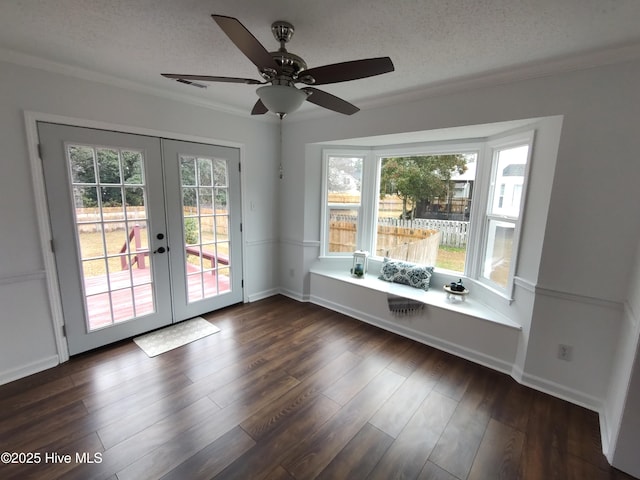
(345, 71)
(259, 108)
(326, 100)
(209, 78)
(246, 42)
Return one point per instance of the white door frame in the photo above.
(42, 212)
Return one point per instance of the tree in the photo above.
(344, 174)
(418, 180)
(112, 168)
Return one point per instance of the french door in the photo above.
(146, 231)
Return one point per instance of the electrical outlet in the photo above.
(292, 272)
(565, 352)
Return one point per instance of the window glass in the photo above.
(499, 252)
(454, 206)
(424, 208)
(344, 197)
(509, 177)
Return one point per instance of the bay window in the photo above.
(454, 205)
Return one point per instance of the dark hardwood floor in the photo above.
(291, 390)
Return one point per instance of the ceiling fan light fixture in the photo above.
(281, 99)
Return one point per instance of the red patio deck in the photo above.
(127, 284)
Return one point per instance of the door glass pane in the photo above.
(113, 246)
(221, 200)
(205, 172)
(188, 171)
(205, 225)
(132, 167)
(205, 201)
(135, 203)
(224, 279)
(82, 164)
(108, 166)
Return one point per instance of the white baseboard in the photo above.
(254, 297)
(556, 390)
(457, 350)
(294, 295)
(28, 369)
(605, 435)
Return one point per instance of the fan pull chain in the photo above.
(281, 170)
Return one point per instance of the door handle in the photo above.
(160, 250)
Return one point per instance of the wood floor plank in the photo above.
(212, 459)
(139, 417)
(31, 436)
(407, 455)
(583, 437)
(460, 440)
(456, 377)
(137, 446)
(51, 468)
(348, 386)
(358, 458)
(314, 453)
(23, 399)
(482, 390)
(273, 367)
(433, 472)
(407, 361)
(252, 384)
(269, 418)
(160, 461)
(279, 473)
(152, 384)
(392, 417)
(267, 454)
(512, 404)
(499, 454)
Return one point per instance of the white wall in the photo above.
(574, 264)
(574, 274)
(622, 412)
(26, 339)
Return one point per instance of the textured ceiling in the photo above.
(431, 42)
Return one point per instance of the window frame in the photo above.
(486, 150)
(324, 234)
(493, 147)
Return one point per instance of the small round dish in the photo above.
(460, 295)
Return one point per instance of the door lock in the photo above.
(160, 250)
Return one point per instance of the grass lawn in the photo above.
(91, 245)
(451, 258)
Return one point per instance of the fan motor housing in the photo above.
(290, 64)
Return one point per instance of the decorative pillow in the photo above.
(414, 275)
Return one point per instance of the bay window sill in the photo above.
(473, 306)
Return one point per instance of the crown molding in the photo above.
(564, 64)
(38, 63)
(568, 63)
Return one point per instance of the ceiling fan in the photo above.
(283, 69)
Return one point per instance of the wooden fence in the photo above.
(89, 219)
(423, 251)
(452, 233)
(342, 232)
